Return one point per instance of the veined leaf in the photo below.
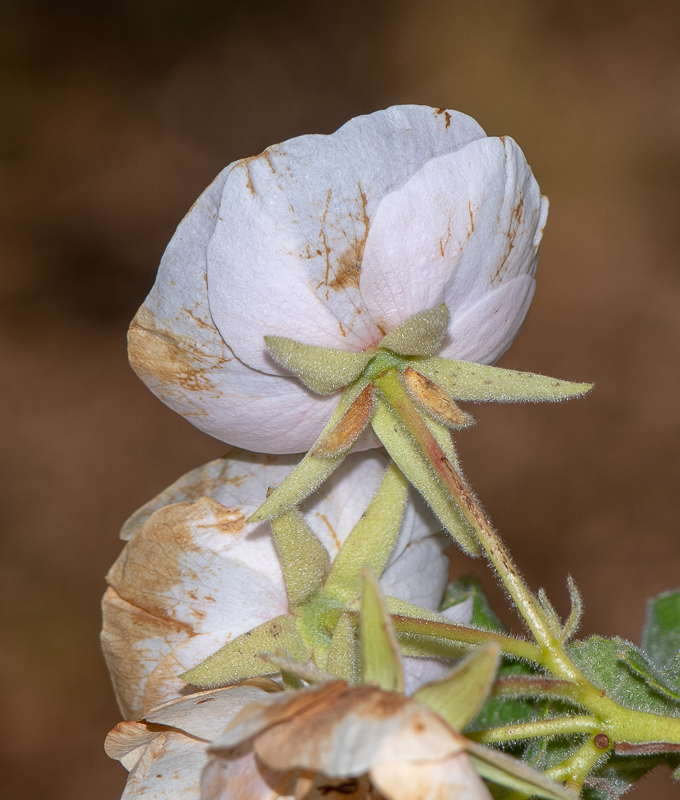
(661, 635)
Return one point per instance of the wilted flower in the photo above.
(335, 241)
(258, 743)
(194, 576)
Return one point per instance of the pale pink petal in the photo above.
(464, 226)
(178, 352)
(421, 572)
(285, 256)
(484, 331)
(453, 778)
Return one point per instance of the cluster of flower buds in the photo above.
(334, 295)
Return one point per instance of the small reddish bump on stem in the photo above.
(601, 741)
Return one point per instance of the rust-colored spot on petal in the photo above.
(435, 400)
(349, 427)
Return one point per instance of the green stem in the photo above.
(619, 723)
(574, 770)
(531, 730)
(394, 393)
(460, 634)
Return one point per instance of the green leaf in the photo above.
(240, 658)
(411, 461)
(372, 539)
(459, 697)
(482, 614)
(343, 654)
(421, 334)
(661, 635)
(286, 665)
(463, 380)
(380, 659)
(513, 774)
(323, 369)
(625, 673)
(304, 560)
(312, 471)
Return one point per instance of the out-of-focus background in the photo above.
(117, 113)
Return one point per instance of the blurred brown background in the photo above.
(116, 115)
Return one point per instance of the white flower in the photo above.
(194, 575)
(335, 241)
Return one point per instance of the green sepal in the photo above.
(459, 697)
(343, 659)
(304, 560)
(240, 658)
(421, 334)
(372, 539)
(413, 463)
(324, 370)
(461, 590)
(380, 659)
(661, 635)
(625, 673)
(289, 667)
(464, 380)
(312, 471)
(511, 773)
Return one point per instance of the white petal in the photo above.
(128, 741)
(241, 479)
(164, 684)
(453, 778)
(134, 641)
(199, 564)
(461, 228)
(204, 715)
(241, 776)
(420, 574)
(483, 332)
(178, 352)
(170, 769)
(285, 256)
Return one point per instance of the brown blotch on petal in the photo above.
(435, 400)
(349, 427)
